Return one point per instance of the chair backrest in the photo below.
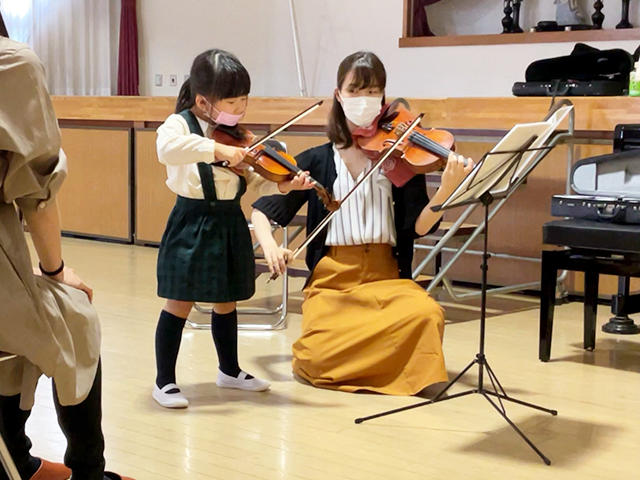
(626, 137)
(277, 144)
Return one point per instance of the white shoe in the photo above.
(170, 400)
(241, 382)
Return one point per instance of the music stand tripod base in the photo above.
(482, 188)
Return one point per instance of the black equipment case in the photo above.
(587, 71)
(571, 88)
(608, 186)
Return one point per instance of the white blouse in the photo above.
(181, 151)
(367, 216)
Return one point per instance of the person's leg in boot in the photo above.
(82, 425)
(12, 429)
(168, 338)
(224, 328)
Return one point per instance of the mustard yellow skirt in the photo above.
(363, 328)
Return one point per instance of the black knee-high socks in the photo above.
(224, 328)
(168, 338)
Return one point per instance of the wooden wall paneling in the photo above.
(95, 198)
(608, 285)
(299, 142)
(154, 200)
(516, 230)
(592, 113)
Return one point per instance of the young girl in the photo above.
(206, 253)
(366, 325)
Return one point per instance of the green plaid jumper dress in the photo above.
(206, 253)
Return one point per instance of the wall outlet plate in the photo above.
(173, 80)
(158, 79)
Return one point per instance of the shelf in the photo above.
(527, 37)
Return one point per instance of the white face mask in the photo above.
(361, 111)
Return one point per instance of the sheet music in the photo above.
(554, 122)
(496, 173)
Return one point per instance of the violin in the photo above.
(268, 161)
(424, 151)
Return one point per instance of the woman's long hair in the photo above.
(368, 71)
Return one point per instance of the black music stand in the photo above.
(484, 187)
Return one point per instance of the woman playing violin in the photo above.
(366, 324)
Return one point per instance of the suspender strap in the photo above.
(205, 170)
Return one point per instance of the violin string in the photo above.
(429, 144)
(281, 160)
(288, 165)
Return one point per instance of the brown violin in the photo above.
(424, 151)
(269, 161)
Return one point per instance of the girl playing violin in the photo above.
(366, 325)
(206, 253)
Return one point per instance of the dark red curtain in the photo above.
(3, 27)
(420, 22)
(128, 79)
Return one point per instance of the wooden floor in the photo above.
(299, 432)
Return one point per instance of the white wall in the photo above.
(259, 33)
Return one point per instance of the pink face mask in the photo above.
(224, 118)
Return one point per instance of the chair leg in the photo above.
(547, 304)
(438, 264)
(281, 310)
(591, 280)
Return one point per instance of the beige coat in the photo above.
(53, 328)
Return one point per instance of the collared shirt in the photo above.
(367, 216)
(181, 151)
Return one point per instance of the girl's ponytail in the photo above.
(185, 99)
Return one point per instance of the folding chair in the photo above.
(282, 309)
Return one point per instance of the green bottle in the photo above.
(634, 82)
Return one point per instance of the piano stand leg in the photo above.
(622, 325)
(622, 304)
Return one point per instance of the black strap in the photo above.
(242, 189)
(204, 169)
(208, 185)
(192, 121)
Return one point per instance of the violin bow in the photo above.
(329, 217)
(286, 125)
(278, 130)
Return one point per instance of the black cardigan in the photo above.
(408, 201)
